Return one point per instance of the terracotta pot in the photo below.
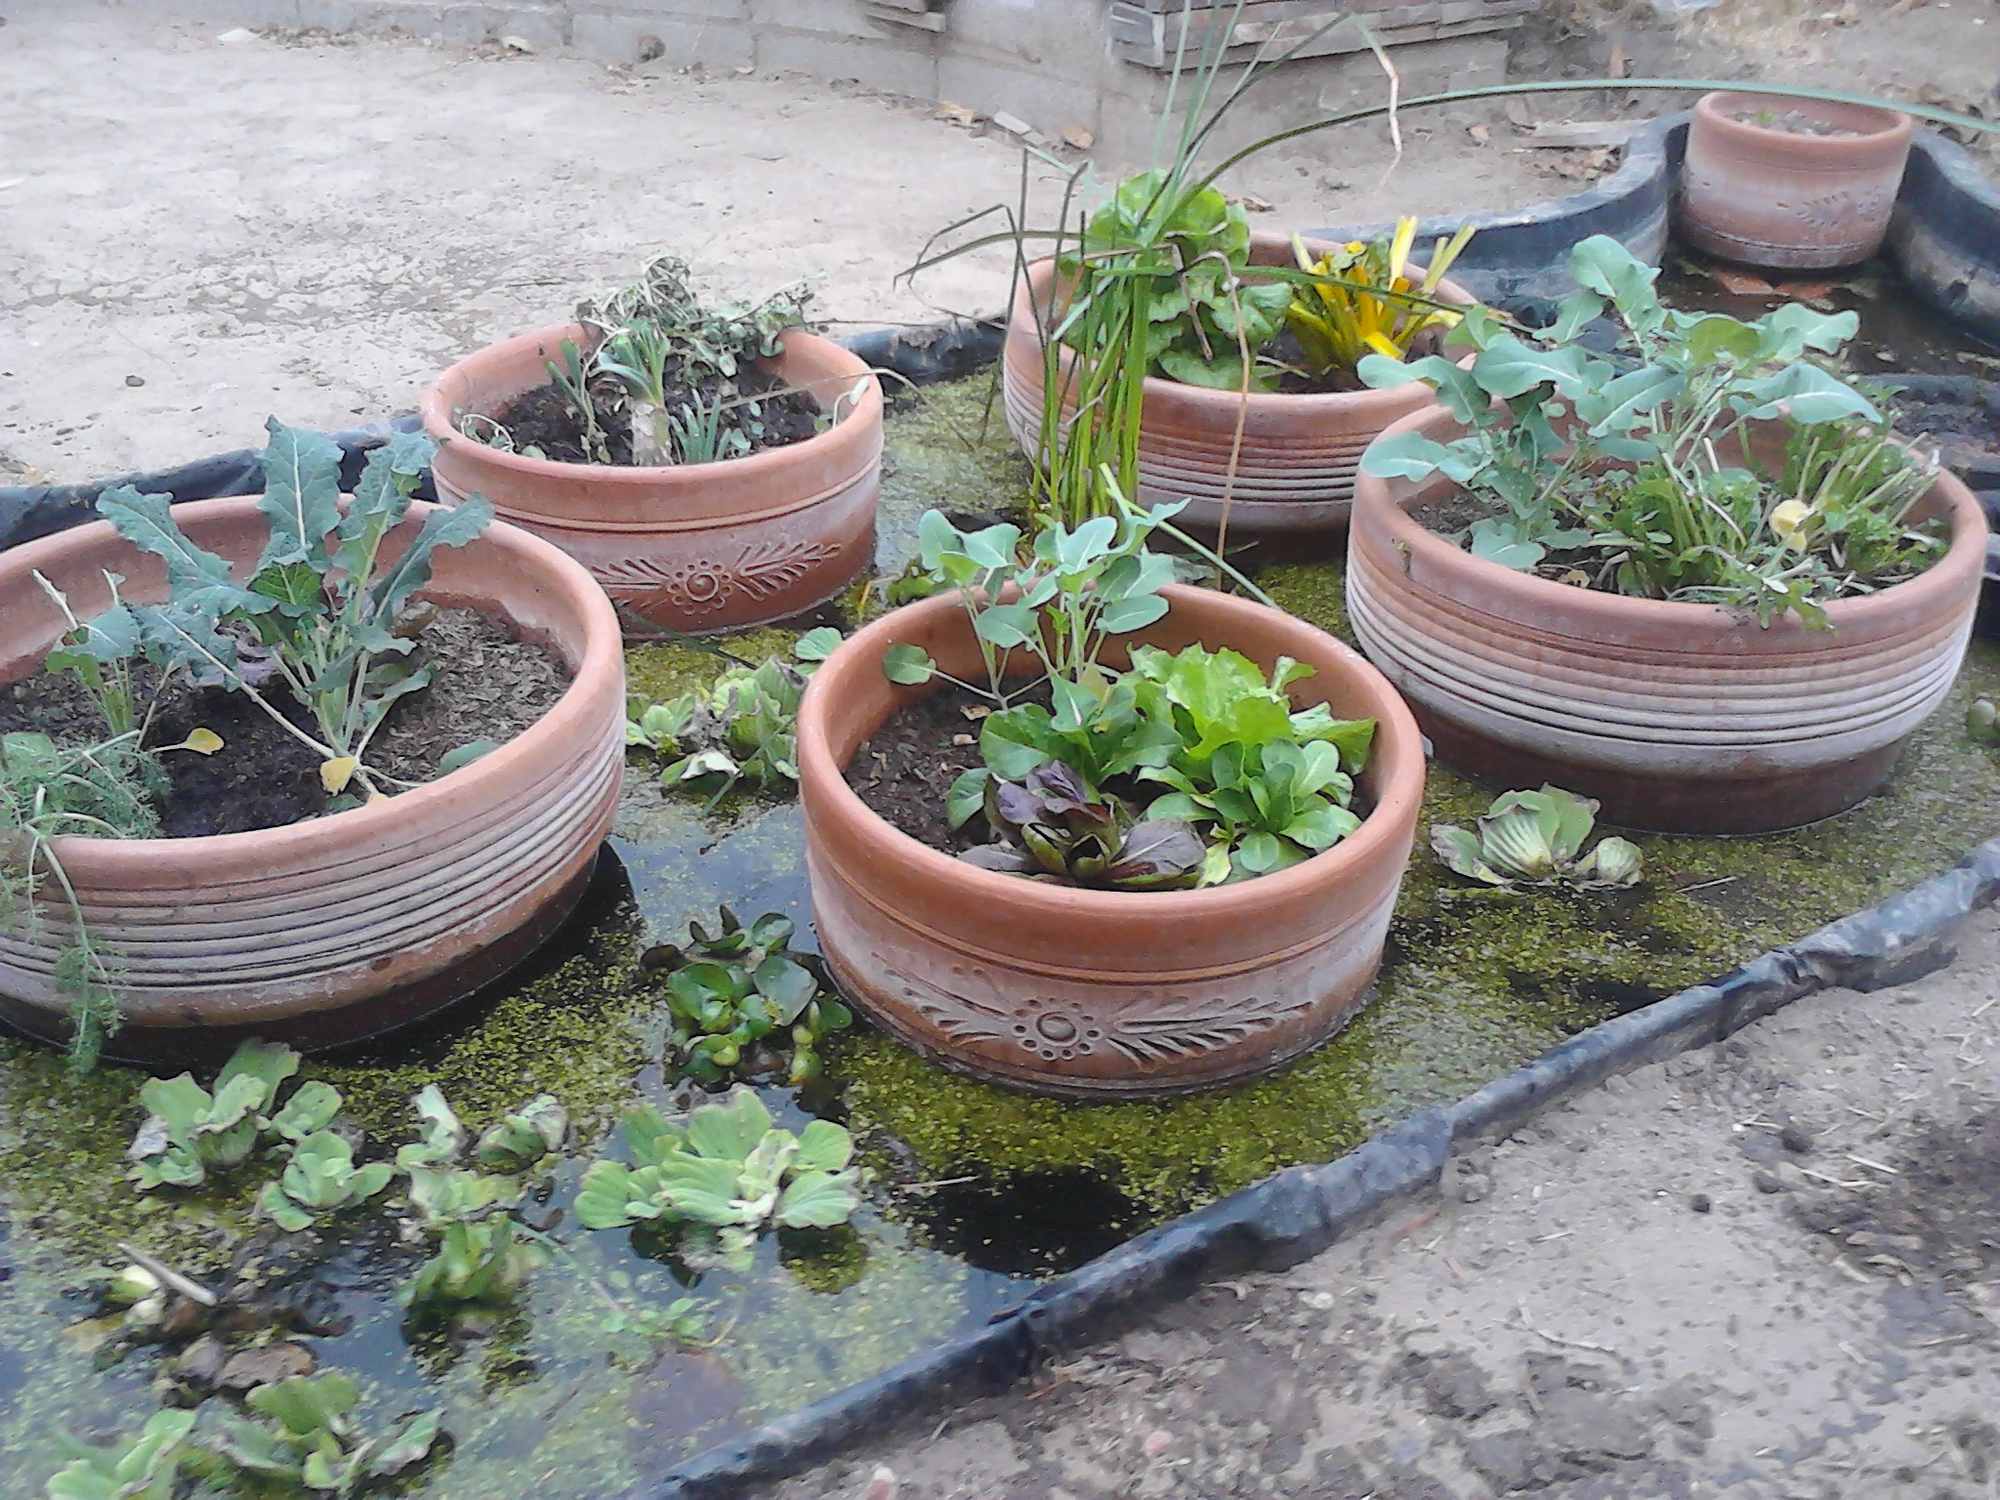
(1687, 718)
(1778, 198)
(1295, 471)
(1100, 994)
(346, 926)
(694, 548)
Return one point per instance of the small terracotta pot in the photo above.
(347, 926)
(694, 548)
(1100, 994)
(1686, 718)
(1778, 198)
(1295, 470)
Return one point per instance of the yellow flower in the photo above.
(1790, 518)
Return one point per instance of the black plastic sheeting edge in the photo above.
(1299, 1212)
(921, 355)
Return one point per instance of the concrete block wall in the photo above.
(1048, 62)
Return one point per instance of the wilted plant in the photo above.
(723, 1177)
(1534, 838)
(732, 992)
(1362, 301)
(321, 603)
(1982, 721)
(308, 1438)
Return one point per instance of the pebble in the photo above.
(1796, 1139)
(1767, 1182)
(1158, 1441)
(1701, 1203)
(135, 381)
(881, 1484)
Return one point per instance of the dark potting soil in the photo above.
(542, 418)
(903, 771)
(490, 685)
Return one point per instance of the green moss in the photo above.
(660, 669)
(1315, 591)
(946, 448)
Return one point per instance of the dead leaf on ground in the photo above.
(1255, 204)
(961, 115)
(1479, 133)
(1574, 165)
(1077, 136)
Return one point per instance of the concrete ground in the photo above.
(195, 233)
(1766, 1270)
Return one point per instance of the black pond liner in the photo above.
(1294, 1214)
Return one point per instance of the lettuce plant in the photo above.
(1181, 256)
(729, 992)
(521, 1138)
(321, 608)
(1535, 838)
(723, 1178)
(1056, 828)
(1638, 491)
(481, 1255)
(308, 1440)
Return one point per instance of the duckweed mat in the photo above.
(978, 1201)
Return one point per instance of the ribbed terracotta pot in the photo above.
(1295, 470)
(1685, 718)
(1100, 994)
(693, 548)
(1781, 199)
(347, 926)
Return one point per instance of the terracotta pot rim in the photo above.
(1966, 552)
(1401, 781)
(484, 781)
(1201, 397)
(865, 414)
(1895, 126)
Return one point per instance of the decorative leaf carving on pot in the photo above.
(1194, 1025)
(1183, 1026)
(701, 586)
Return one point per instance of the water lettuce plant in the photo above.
(1535, 838)
(145, 1469)
(723, 1177)
(320, 613)
(481, 1254)
(1636, 474)
(732, 993)
(321, 1179)
(308, 1440)
(1362, 300)
(190, 1131)
(742, 728)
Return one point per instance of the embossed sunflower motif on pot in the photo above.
(695, 586)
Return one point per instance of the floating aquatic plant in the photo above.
(1534, 838)
(723, 1178)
